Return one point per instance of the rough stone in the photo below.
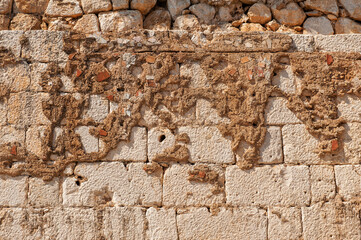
(16, 77)
(161, 223)
(284, 223)
(87, 24)
(43, 194)
(352, 143)
(31, 6)
(34, 136)
(268, 186)
(98, 108)
(277, 112)
(194, 72)
(347, 26)
(252, 27)
(65, 8)
(291, 15)
(175, 7)
(5, 6)
(159, 20)
(159, 139)
(95, 6)
(302, 43)
(120, 4)
(25, 22)
(237, 223)
(317, 25)
(338, 43)
(204, 12)
(271, 149)
(286, 81)
(353, 7)
(120, 21)
(323, 187)
(348, 181)
(348, 108)
(206, 115)
(89, 142)
(186, 22)
(259, 13)
(112, 183)
(325, 6)
(4, 22)
(179, 191)
(13, 191)
(143, 6)
(9, 134)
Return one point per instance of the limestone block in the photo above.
(25, 22)
(208, 115)
(352, 143)
(87, 24)
(161, 223)
(34, 136)
(15, 76)
(134, 150)
(284, 223)
(175, 7)
(89, 142)
(204, 12)
(31, 6)
(11, 41)
(159, 20)
(98, 108)
(65, 223)
(26, 109)
(112, 183)
(143, 6)
(120, 21)
(353, 7)
(277, 112)
(13, 191)
(241, 223)
(331, 221)
(348, 107)
(338, 43)
(179, 191)
(95, 6)
(124, 223)
(207, 145)
(318, 25)
(4, 22)
(5, 6)
(302, 43)
(120, 4)
(268, 186)
(325, 6)
(323, 185)
(44, 46)
(194, 72)
(66, 8)
(10, 134)
(348, 181)
(159, 139)
(3, 112)
(271, 149)
(43, 194)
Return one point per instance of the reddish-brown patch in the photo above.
(232, 72)
(334, 145)
(71, 56)
(202, 174)
(329, 59)
(250, 74)
(13, 150)
(102, 76)
(79, 72)
(138, 93)
(150, 59)
(110, 98)
(103, 133)
(151, 83)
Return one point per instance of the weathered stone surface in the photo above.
(271, 149)
(348, 181)
(4, 22)
(268, 186)
(348, 108)
(194, 72)
(161, 223)
(3, 112)
(112, 183)
(120, 21)
(87, 24)
(13, 191)
(159, 139)
(317, 25)
(9, 134)
(331, 220)
(43, 194)
(5, 6)
(179, 191)
(98, 108)
(120, 4)
(89, 142)
(143, 6)
(207, 145)
(287, 81)
(65, 8)
(323, 187)
(277, 112)
(252, 27)
(259, 13)
(291, 15)
(186, 22)
(206, 115)
(325, 6)
(31, 6)
(353, 7)
(25, 22)
(159, 20)
(204, 12)
(94, 6)
(347, 26)
(175, 7)
(338, 43)
(302, 43)
(352, 143)
(34, 137)
(236, 223)
(134, 150)
(16, 77)
(284, 223)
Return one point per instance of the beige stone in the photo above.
(95, 6)
(284, 223)
(348, 181)
(252, 27)
(161, 223)
(15, 76)
(347, 26)
(89, 142)
(352, 143)
(273, 25)
(194, 72)
(323, 185)
(159, 20)
(206, 115)
(186, 22)
(9, 134)
(4, 22)
(331, 221)
(112, 183)
(175, 7)
(204, 12)
(120, 4)
(259, 13)
(271, 149)
(179, 191)
(87, 24)
(353, 7)
(13, 191)
(291, 15)
(348, 108)
(3, 112)
(120, 21)
(207, 145)
(325, 6)
(134, 150)
(65, 8)
(25, 22)
(287, 81)
(277, 112)
(31, 6)
(98, 108)
(159, 139)
(5, 6)
(43, 194)
(317, 25)
(236, 223)
(143, 6)
(268, 186)
(34, 137)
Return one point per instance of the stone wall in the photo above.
(179, 135)
(294, 16)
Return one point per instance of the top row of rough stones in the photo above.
(88, 16)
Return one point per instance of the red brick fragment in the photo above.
(232, 72)
(79, 72)
(138, 93)
(202, 174)
(334, 145)
(110, 98)
(13, 150)
(151, 83)
(102, 76)
(329, 59)
(150, 59)
(71, 56)
(103, 133)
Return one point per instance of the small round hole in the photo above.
(161, 138)
(77, 182)
(120, 89)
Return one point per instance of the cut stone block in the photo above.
(348, 181)
(15, 76)
(352, 143)
(95, 6)
(349, 108)
(43, 194)
(286, 81)
(323, 185)
(161, 223)
(13, 191)
(284, 223)
(5, 6)
(159, 139)
(90, 143)
(277, 112)
(120, 21)
(208, 115)
(34, 137)
(120, 4)
(98, 108)
(271, 149)
(65, 8)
